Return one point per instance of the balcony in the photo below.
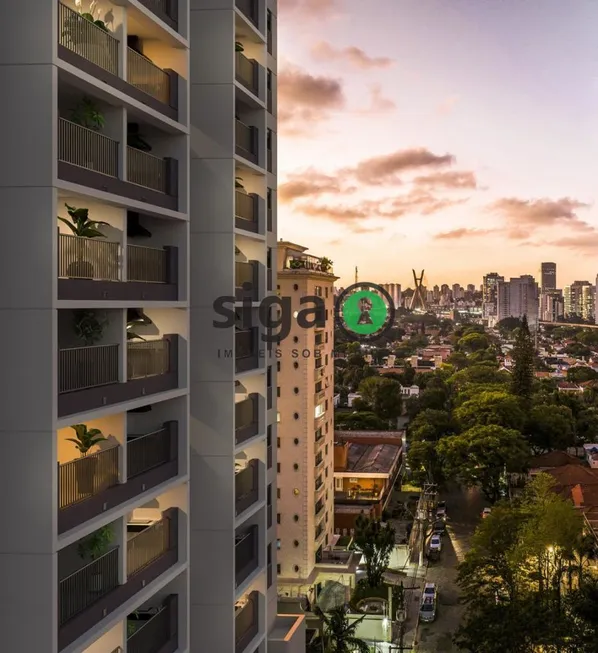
(89, 158)
(89, 377)
(96, 52)
(269, 160)
(269, 34)
(90, 269)
(318, 507)
(270, 456)
(166, 10)
(319, 483)
(246, 211)
(246, 487)
(246, 622)
(90, 594)
(246, 554)
(247, 355)
(247, 273)
(90, 485)
(247, 73)
(269, 279)
(269, 102)
(154, 631)
(319, 530)
(249, 8)
(246, 419)
(358, 496)
(319, 461)
(246, 141)
(269, 397)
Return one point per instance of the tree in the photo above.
(338, 633)
(473, 342)
(500, 408)
(430, 425)
(376, 543)
(482, 455)
(360, 421)
(423, 462)
(550, 428)
(581, 374)
(524, 353)
(383, 396)
(485, 372)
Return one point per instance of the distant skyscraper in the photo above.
(518, 297)
(489, 295)
(552, 306)
(548, 276)
(579, 300)
(394, 290)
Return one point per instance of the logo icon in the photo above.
(365, 311)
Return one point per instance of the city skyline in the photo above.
(419, 158)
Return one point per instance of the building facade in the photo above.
(394, 290)
(552, 306)
(490, 295)
(112, 305)
(579, 300)
(305, 425)
(518, 297)
(548, 276)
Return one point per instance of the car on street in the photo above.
(427, 610)
(435, 544)
(439, 527)
(441, 510)
(486, 512)
(429, 590)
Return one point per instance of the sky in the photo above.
(455, 136)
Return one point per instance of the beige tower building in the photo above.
(305, 425)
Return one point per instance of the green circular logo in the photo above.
(365, 311)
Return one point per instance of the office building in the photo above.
(552, 306)
(490, 296)
(151, 532)
(579, 300)
(518, 297)
(548, 276)
(394, 290)
(305, 426)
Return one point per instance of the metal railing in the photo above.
(246, 623)
(153, 633)
(149, 358)
(147, 546)
(147, 77)
(244, 137)
(148, 451)
(88, 258)
(87, 39)
(246, 419)
(246, 72)
(246, 554)
(87, 585)
(244, 343)
(147, 170)
(269, 456)
(84, 477)
(245, 206)
(318, 507)
(319, 483)
(147, 264)
(80, 368)
(246, 487)
(87, 148)
(246, 273)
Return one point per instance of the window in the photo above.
(269, 143)
(278, 443)
(278, 544)
(278, 392)
(278, 366)
(278, 568)
(269, 80)
(269, 376)
(278, 468)
(318, 291)
(326, 291)
(278, 518)
(319, 410)
(278, 417)
(296, 467)
(269, 21)
(278, 492)
(269, 435)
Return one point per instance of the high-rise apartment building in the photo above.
(305, 425)
(153, 531)
(579, 300)
(518, 297)
(548, 274)
(552, 306)
(490, 295)
(394, 290)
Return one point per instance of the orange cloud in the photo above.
(379, 103)
(450, 180)
(457, 234)
(385, 169)
(353, 55)
(310, 183)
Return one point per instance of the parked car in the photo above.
(427, 610)
(441, 510)
(486, 512)
(429, 590)
(435, 544)
(439, 527)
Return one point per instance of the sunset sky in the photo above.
(459, 136)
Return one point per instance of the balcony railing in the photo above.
(87, 40)
(155, 630)
(246, 554)
(246, 211)
(80, 368)
(246, 487)
(269, 456)
(269, 160)
(246, 141)
(87, 476)
(319, 483)
(269, 397)
(319, 530)
(249, 8)
(150, 358)
(319, 507)
(246, 419)
(147, 77)
(86, 148)
(247, 72)
(147, 264)
(247, 622)
(88, 258)
(246, 350)
(147, 170)
(147, 546)
(148, 451)
(319, 460)
(87, 585)
(246, 273)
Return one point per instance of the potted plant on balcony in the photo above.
(89, 326)
(239, 47)
(295, 264)
(86, 114)
(325, 264)
(91, 548)
(85, 440)
(79, 36)
(239, 185)
(82, 227)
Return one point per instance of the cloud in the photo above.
(457, 234)
(379, 103)
(311, 8)
(310, 183)
(353, 55)
(448, 180)
(305, 98)
(447, 105)
(385, 169)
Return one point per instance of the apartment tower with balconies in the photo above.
(305, 444)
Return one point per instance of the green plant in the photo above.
(96, 21)
(325, 264)
(86, 438)
(295, 264)
(239, 183)
(89, 326)
(76, 29)
(96, 544)
(81, 225)
(239, 47)
(135, 318)
(88, 115)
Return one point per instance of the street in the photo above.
(463, 508)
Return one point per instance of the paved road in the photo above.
(464, 508)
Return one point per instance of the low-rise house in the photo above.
(591, 452)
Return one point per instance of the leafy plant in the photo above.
(338, 633)
(239, 47)
(87, 114)
(96, 544)
(136, 318)
(95, 21)
(325, 264)
(239, 183)
(295, 264)
(81, 225)
(89, 326)
(86, 438)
